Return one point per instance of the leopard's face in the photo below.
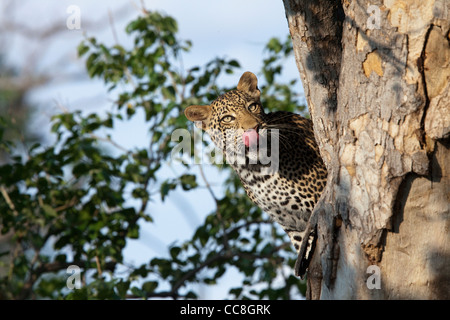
(232, 115)
(235, 120)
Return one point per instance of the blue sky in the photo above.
(234, 29)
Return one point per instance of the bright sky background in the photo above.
(233, 28)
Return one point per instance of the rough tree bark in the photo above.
(376, 78)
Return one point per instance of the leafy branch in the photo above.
(74, 196)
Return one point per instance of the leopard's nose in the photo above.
(247, 125)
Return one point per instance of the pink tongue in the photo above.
(250, 137)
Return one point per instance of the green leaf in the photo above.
(122, 288)
(82, 49)
(234, 63)
(174, 252)
(188, 181)
(168, 92)
(274, 44)
(140, 193)
(49, 211)
(80, 169)
(166, 186)
(133, 232)
(149, 286)
(138, 292)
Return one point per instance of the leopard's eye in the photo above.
(227, 119)
(253, 107)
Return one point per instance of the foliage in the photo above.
(15, 110)
(69, 203)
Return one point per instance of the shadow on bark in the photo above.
(436, 259)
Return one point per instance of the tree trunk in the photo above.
(376, 78)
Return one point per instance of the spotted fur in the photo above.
(287, 194)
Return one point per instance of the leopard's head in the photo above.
(234, 120)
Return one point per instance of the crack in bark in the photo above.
(421, 68)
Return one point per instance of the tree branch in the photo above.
(8, 200)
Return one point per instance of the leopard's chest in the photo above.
(278, 194)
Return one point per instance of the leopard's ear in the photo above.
(249, 84)
(200, 115)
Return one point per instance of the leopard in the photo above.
(274, 154)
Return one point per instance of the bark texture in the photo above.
(376, 78)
